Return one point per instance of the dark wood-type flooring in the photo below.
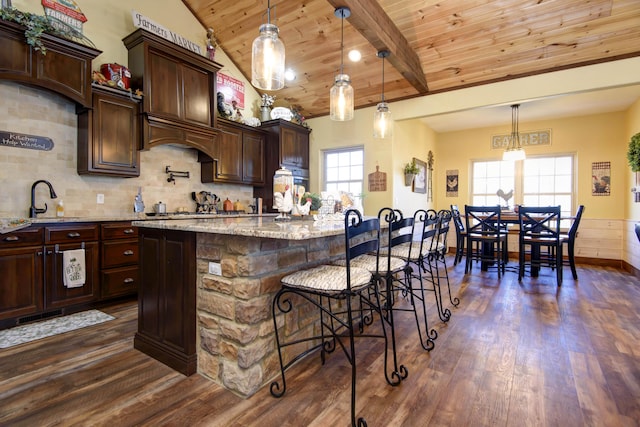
(512, 355)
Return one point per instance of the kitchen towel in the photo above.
(74, 270)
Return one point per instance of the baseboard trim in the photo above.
(630, 269)
(600, 262)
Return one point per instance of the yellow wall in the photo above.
(410, 139)
(593, 138)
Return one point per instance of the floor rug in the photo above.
(47, 328)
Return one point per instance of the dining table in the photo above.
(511, 217)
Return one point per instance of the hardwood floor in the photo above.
(511, 355)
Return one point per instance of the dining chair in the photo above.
(486, 237)
(570, 240)
(341, 294)
(461, 233)
(539, 229)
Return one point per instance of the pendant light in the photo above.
(514, 151)
(341, 95)
(382, 124)
(267, 57)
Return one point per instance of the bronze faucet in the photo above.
(33, 211)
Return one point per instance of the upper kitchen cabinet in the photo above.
(65, 69)
(109, 135)
(239, 156)
(287, 146)
(179, 89)
(290, 142)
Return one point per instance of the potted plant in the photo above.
(633, 153)
(410, 172)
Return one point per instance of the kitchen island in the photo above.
(207, 286)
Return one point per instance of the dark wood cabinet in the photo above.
(21, 281)
(65, 69)
(179, 91)
(60, 238)
(287, 145)
(109, 135)
(31, 266)
(294, 147)
(119, 256)
(239, 156)
(167, 298)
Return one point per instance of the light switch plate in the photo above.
(100, 199)
(215, 268)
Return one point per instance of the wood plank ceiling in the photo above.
(438, 45)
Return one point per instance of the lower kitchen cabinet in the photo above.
(167, 298)
(21, 281)
(119, 259)
(31, 265)
(61, 238)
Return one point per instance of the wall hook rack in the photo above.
(175, 174)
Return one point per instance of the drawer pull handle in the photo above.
(128, 231)
(128, 280)
(73, 235)
(128, 252)
(11, 239)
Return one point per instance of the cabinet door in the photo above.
(227, 165)
(56, 294)
(20, 281)
(294, 148)
(109, 145)
(162, 87)
(253, 158)
(197, 87)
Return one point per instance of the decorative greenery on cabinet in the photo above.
(35, 26)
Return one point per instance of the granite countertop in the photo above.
(8, 225)
(252, 226)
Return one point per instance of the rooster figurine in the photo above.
(505, 196)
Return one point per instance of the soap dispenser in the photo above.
(60, 209)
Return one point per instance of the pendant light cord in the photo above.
(515, 134)
(342, 43)
(383, 79)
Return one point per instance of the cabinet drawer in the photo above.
(71, 233)
(119, 252)
(118, 230)
(119, 281)
(25, 237)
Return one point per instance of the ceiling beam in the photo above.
(370, 19)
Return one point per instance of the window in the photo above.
(344, 170)
(535, 181)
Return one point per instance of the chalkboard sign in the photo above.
(20, 140)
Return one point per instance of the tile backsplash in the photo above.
(34, 111)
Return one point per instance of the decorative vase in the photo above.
(265, 114)
(408, 179)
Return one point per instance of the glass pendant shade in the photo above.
(382, 124)
(341, 99)
(514, 151)
(267, 59)
(341, 94)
